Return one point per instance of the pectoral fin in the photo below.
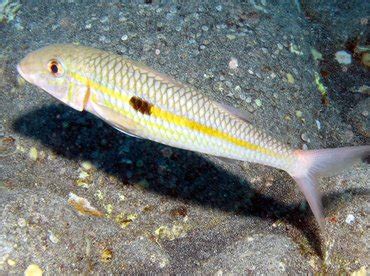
(116, 120)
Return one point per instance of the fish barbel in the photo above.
(143, 103)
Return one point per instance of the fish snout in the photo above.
(20, 71)
(27, 70)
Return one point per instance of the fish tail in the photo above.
(313, 164)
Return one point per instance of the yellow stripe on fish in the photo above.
(175, 119)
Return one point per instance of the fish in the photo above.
(144, 103)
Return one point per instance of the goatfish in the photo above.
(144, 103)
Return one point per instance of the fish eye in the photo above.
(55, 68)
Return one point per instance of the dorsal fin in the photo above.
(243, 115)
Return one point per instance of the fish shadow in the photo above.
(171, 172)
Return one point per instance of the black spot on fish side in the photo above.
(141, 105)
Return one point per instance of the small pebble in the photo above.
(305, 138)
(318, 124)
(231, 36)
(281, 266)
(125, 161)
(298, 113)
(295, 49)
(366, 59)
(83, 175)
(109, 208)
(304, 147)
(343, 57)
(104, 39)
(363, 89)
(205, 28)
(290, 78)
(364, 21)
(33, 270)
(53, 238)
(250, 71)
(86, 165)
(157, 52)
(233, 63)
(11, 262)
(105, 19)
(33, 154)
(367, 209)
(264, 50)
(99, 194)
(258, 102)
(248, 100)
(21, 222)
(88, 26)
(19, 27)
(83, 206)
(122, 18)
(228, 83)
(107, 255)
(251, 108)
(316, 54)
(365, 113)
(350, 219)
(124, 37)
(242, 96)
(219, 8)
(348, 134)
(192, 41)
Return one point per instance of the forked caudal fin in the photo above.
(313, 164)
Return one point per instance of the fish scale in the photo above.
(167, 96)
(142, 102)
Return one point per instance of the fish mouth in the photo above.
(27, 77)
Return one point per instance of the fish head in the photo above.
(50, 68)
